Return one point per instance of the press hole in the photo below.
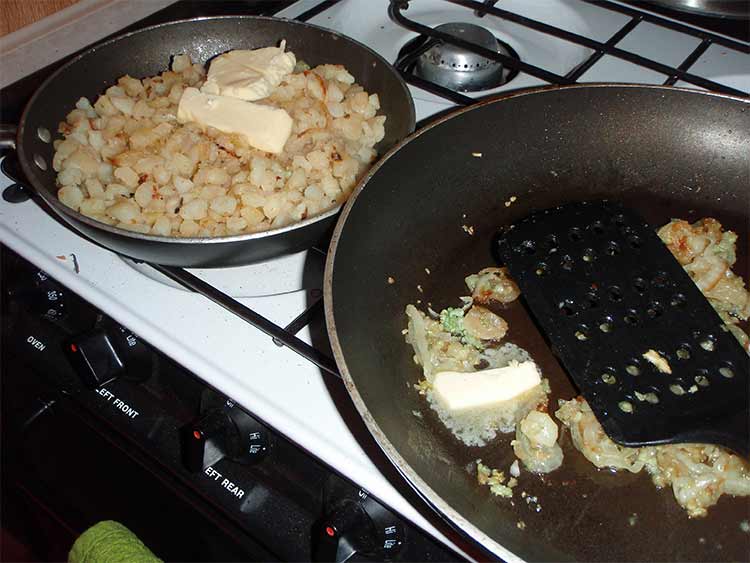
(615, 293)
(635, 241)
(551, 243)
(597, 227)
(708, 344)
(575, 234)
(606, 325)
(613, 249)
(654, 310)
(528, 247)
(726, 371)
(702, 378)
(589, 255)
(541, 269)
(683, 352)
(626, 406)
(660, 280)
(631, 318)
(678, 300)
(640, 285)
(567, 308)
(566, 263)
(677, 389)
(44, 134)
(609, 378)
(591, 301)
(648, 397)
(40, 162)
(619, 219)
(633, 369)
(582, 333)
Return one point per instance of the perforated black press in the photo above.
(646, 349)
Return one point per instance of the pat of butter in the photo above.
(248, 75)
(265, 128)
(458, 391)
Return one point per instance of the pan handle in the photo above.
(8, 135)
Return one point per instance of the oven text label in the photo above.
(119, 404)
(36, 343)
(226, 483)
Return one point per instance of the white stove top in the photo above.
(279, 387)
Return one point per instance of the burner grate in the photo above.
(397, 8)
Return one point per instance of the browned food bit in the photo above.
(492, 284)
(483, 324)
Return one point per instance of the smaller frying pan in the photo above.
(147, 52)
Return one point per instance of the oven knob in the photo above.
(94, 357)
(203, 440)
(224, 432)
(361, 527)
(249, 442)
(109, 351)
(136, 355)
(344, 533)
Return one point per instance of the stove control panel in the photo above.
(270, 488)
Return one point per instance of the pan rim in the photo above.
(431, 497)
(59, 207)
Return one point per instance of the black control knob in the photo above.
(358, 528)
(109, 351)
(94, 357)
(223, 431)
(135, 354)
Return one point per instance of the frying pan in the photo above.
(147, 52)
(664, 151)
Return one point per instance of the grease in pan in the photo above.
(698, 474)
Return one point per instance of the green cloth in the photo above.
(110, 542)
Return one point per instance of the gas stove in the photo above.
(512, 44)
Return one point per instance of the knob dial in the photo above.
(358, 526)
(137, 357)
(43, 296)
(223, 430)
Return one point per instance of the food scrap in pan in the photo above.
(659, 361)
(256, 144)
(698, 473)
(478, 383)
(707, 253)
(481, 385)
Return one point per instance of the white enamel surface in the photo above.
(274, 277)
(283, 389)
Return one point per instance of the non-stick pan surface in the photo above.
(148, 52)
(666, 152)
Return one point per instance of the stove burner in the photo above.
(456, 68)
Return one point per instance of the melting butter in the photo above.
(457, 391)
(248, 75)
(265, 128)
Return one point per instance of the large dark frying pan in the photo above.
(666, 152)
(147, 52)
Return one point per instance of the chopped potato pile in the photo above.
(128, 161)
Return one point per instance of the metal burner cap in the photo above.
(461, 70)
